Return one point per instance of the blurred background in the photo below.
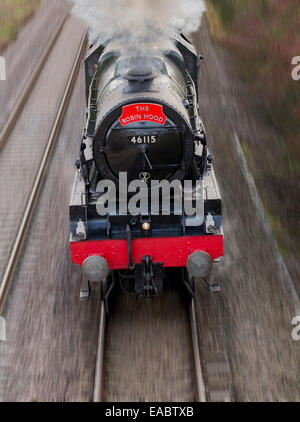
(262, 38)
(13, 15)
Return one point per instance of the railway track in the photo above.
(38, 181)
(201, 377)
(98, 385)
(30, 83)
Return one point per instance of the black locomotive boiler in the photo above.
(143, 123)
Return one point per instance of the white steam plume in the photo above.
(133, 19)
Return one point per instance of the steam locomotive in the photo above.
(143, 124)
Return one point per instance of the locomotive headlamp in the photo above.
(81, 231)
(146, 226)
(210, 225)
(211, 229)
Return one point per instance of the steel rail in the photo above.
(28, 87)
(199, 379)
(21, 235)
(98, 384)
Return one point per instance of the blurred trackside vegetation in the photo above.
(262, 37)
(13, 15)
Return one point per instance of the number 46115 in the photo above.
(143, 139)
